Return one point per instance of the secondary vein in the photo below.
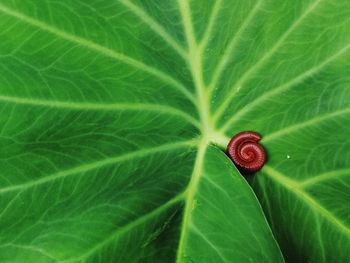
(98, 48)
(262, 60)
(285, 86)
(154, 26)
(298, 126)
(98, 164)
(325, 177)
(230, 47)
(295, 188)
(120, 231)
(89, 106)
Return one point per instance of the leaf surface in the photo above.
(112, 114)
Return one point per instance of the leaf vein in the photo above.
(325, 177)
(264, 58)
(99, 49)
(157, 108)
(281, 88)
(309, 201)
(301, 125)
(96, 165)
(224, 60)
(154, 26)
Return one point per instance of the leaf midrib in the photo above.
(194, 60)
(195, 64)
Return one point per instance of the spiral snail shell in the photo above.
(245, 151)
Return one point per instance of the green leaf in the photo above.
(112, 114)
(103, 151)
(222, 220)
